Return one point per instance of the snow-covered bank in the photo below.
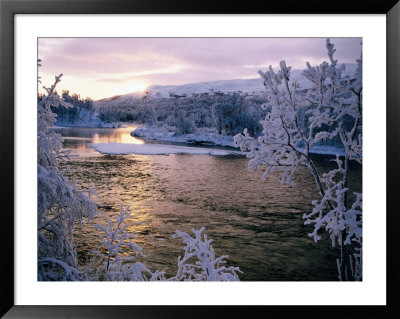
(209, 138)
(157, 149)
(204, 137)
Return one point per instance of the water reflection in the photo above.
(257, 223)
(77, 138)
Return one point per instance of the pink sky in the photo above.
(103, 67)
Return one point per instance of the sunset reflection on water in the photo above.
(258, 223)
(118, 136)
(77, 138)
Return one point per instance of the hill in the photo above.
(250, 86)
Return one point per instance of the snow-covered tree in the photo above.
(184, 124)
(295, 124)
(60, 203)
(228, 113)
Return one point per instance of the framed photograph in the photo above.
(198, 159)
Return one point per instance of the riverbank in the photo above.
(206, 137)
(209, 137)
(202, 136)
(158, 149)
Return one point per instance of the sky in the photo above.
(104, 67)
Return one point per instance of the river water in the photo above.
(257, 222)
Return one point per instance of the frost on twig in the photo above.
(199, 262)
(298, 122)
(60, 204)
(115, 267)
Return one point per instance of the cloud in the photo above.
(113, 61)
(111, 80)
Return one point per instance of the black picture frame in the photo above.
(8, 8)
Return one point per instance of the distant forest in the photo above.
(226, 113)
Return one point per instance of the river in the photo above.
(257, 222)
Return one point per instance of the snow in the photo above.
(207, 138)
(202, 136)
(248, 85)
(284, 147)
(157, 149)
(254, 85)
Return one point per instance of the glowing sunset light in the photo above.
(121, 136)
(104, 67)
(130, 87)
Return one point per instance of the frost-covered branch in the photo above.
(60, 204)
(297, 122)
(199, 262)
(114, 237)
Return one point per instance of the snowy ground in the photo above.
(157, 149)
(204, 136)
(209, 137)
(251, 86)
